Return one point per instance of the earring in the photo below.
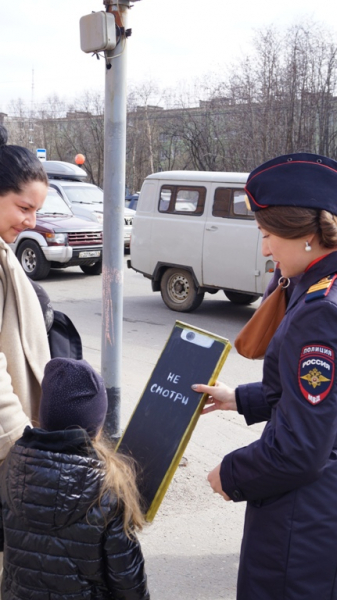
(307, 247)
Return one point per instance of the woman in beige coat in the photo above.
(24, 349)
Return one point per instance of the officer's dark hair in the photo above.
(293, 222)
(18, 166)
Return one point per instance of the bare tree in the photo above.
(280, 98)
(143, 145)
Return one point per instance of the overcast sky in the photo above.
(172, 41)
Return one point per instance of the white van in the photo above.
(193, 233)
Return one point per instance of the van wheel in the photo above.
(239, 298)
(95, 269)
(32, 260)
(178, 290)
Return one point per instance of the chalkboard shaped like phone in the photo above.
(167, 412)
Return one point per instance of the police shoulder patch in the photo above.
(316, 372)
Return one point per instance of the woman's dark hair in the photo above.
(18, 166)
(293, 222)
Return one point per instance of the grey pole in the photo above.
(113, 221)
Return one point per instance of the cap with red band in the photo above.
(301, 179)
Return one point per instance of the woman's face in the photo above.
(18, 211)
(290, 255)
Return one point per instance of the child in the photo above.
(69, 505)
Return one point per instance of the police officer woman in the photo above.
(289, 476)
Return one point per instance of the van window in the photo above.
(177, 199)
(240, 209)
(165, 199)
(231, 204)
(222, 202)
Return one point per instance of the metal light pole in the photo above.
(113, 221)
(114, 191)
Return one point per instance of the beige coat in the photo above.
(24, 350)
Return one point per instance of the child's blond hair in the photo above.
(120, 482)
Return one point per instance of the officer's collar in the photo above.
(318, 270)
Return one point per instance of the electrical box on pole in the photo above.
(98, 32)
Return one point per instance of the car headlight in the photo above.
(99, 216)
(59, 239)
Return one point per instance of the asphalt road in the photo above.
(192, 547)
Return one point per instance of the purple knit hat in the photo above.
(73, 395)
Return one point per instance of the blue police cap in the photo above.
(301, 179)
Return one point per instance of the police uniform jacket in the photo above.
(289, 476)
(58, 543)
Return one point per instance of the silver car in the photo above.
(85, 199)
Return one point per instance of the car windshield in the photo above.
(54, 205)
(85, 194)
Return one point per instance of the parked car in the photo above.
(59, 240)
(131, 200)
(193, 233)
(85, 199)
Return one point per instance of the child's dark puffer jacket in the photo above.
(58, 544)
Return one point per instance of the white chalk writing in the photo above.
(172, 394)
(174, 378)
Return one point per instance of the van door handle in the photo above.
(212, 228)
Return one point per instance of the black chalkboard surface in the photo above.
(168, 410)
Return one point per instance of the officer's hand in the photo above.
(215, 481)
(220, 396)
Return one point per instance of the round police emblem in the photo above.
(316, 372)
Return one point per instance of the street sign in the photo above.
(41, 153)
